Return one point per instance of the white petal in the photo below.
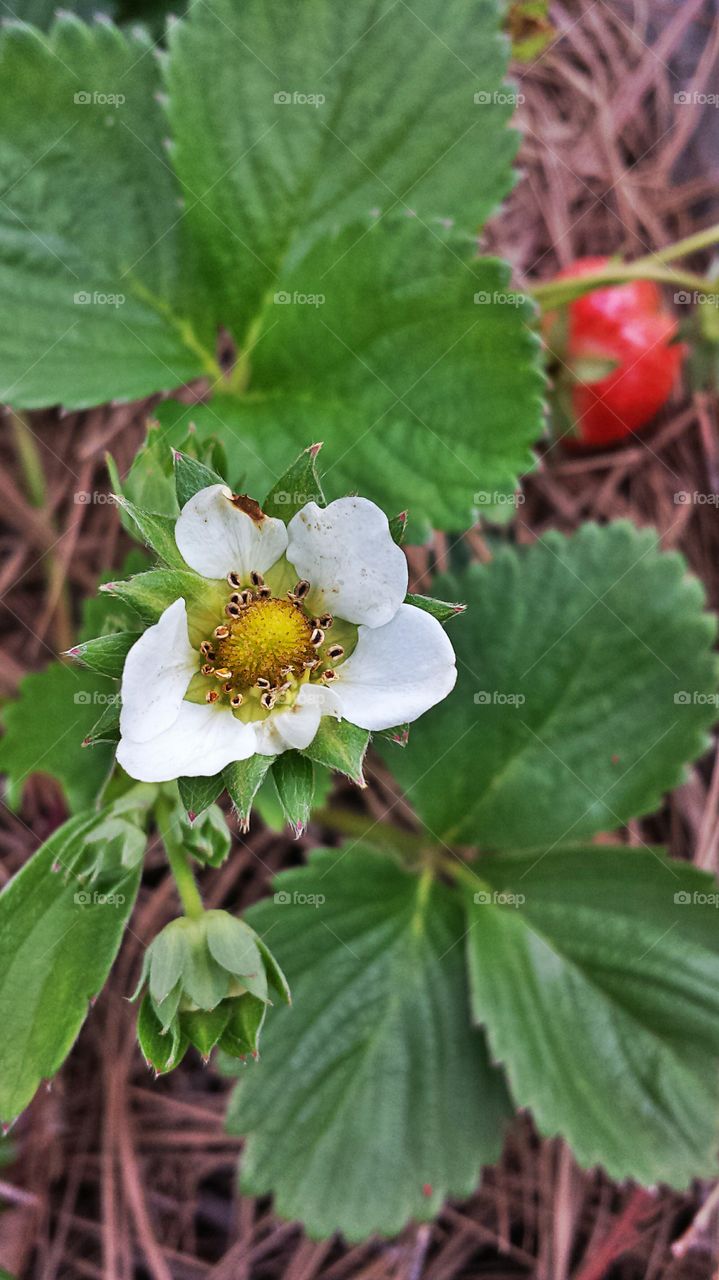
(347, 553)
(156, 674)
(397, 672)
(297, 727)
(201, 741)
(216, 537)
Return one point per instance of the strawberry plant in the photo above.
(265, 208)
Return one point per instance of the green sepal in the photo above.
(156, 531)
(340, 745)
(197, 794)
(166, 960)
(299, 485)
(107, 728)
(191, 476)
(398, 527)
(204, 982)
(150, 593)
(399, 735)
(233, 945)
(442, 610)
(242, 1033)
(162, 1049)
(105, 655)
(208, 839)
(294, 779)
(204, 1028)
(275, 975)
(243, 780)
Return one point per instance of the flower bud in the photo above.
(206, 983)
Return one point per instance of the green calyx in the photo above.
(206, 983)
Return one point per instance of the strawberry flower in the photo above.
(295, 623)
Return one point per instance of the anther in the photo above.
(317, 637)
(223, 673)
(246, 596)
(329, 675)
(227, 688)
(236, 598)
(256, 579)
(268, 701)
(326, 621)
(264, 593)
(232, 611)
(206, 649)
(222, 633)
(335, 651)
(310, 666)
(301, 589)
(212, 696)
(208, 669)
(262, 683)
(234, 580)
(287, 671)
(236, 700)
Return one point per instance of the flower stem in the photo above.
(180, 865)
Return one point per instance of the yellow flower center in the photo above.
(270, 640)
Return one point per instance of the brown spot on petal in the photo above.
(250, 506)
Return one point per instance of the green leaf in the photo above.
(367, 143)
(339, 745)
(243, 780)
(367, 374)
(150, 482)
(45, 727)
(586, 683)
(157, 532)
(595, 973)
(150, 593)
(299, 485)
(106, 655)
(442, 610)
(197, 794)
(191, 476)
(93, 280)
(294, 779)
(57, 943)
(377, 1043)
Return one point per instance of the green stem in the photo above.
(180, 865)
(28, 456)
(690, 244)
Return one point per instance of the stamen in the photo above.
(301, 589)
(329, 675)
(236, 700)
(236, 598)
(317, 637)
(335, 651)
(206, 649)
(310, 666)
(232, 611)
(234, 580)
(222, 632)
(227, 688)
(246, 596)
(262, 683)
(264, 593)
(208, 669)
(212, 696)
(326, 621)
(268, 701)
(223, 673)
(256, 579)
